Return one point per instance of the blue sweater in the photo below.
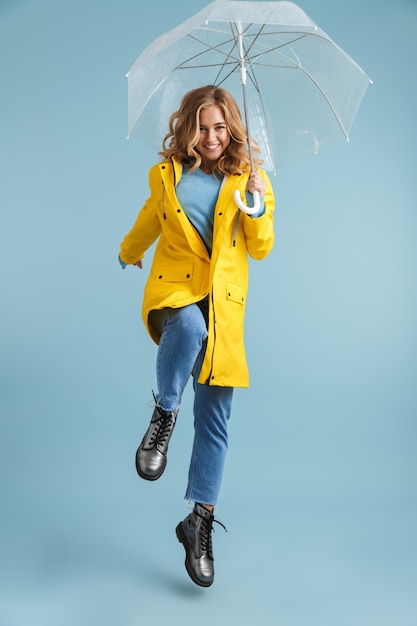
(197, 193)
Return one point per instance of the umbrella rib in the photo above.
(298, 66)
(216, 48)
(327, 100)
(293, 65)
(253, 79)
(229, 58)
(210, 48)
(234, 62)
(184, 66)
(145, 104)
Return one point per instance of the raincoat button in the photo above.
(188, 276)
(178, 210)
(160, 276)
(220, 213)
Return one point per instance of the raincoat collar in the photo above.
(224, 213)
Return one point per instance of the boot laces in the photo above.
(206, 543)
(162, 428)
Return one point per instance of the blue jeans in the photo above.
(181, 352)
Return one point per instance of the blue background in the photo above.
(319, 495)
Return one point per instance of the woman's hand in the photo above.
(256, 182)
(124, 265)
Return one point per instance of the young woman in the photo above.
(195, 296)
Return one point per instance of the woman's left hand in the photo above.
(256, 182)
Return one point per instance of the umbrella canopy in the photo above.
(298, 89)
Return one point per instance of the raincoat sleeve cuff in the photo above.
(249, 202)
(122, 263)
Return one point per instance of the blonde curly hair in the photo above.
(184, 132)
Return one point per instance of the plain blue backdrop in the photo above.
(319, 496)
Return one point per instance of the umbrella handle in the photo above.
(246, 209)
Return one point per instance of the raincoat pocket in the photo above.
(175, 272)
(235, 293)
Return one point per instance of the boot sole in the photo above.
(182, 539)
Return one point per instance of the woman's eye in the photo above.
(220, 128)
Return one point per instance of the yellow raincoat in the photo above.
(182, 271)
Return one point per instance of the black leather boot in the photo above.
(151, 456)
(195, 535)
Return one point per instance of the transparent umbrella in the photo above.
(297, 88)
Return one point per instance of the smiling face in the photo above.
(214, 137)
